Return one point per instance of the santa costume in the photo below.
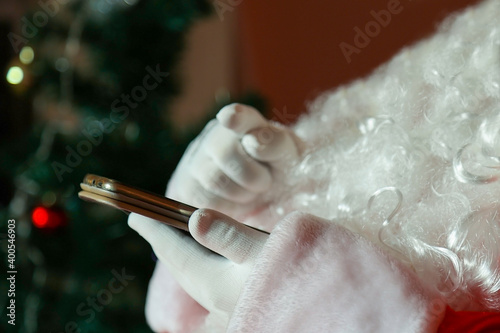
(382, 204)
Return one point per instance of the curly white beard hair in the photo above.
(410, 158)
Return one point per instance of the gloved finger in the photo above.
(187, 260)
(270, 144)
(167, 242)
(240, 118)
(227, 153)
(214, 180)
(196, 195)
(226, 236)
(210, 279)
(193, 149)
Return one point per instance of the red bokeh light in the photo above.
(40, 217)
(48, 217)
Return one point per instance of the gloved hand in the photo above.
(214, 281)
(233, 160)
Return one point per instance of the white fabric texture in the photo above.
(404, 164)
(316, 276)
(169, 307)
(309, 275)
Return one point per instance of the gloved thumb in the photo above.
(220, 233)
(262, 140)
(270, 144)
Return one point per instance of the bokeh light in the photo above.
(27, 55)
(15, 75)
(40, 217)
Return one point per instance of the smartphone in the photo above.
(115, 194)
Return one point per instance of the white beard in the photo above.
(402, 127)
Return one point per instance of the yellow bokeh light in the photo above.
(27, 55)
(15, 75)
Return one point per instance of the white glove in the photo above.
(233, 160)
(215, 282)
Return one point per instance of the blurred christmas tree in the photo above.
(101, 74)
